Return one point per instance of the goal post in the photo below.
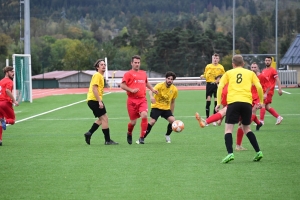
(22, 79)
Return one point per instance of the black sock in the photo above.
(228, 142)
(106, 134)
(207, 108)
(169, 129)
(214, 107)
(253, 141)
(149, 127)
(93, 128)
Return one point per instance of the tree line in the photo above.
(171, 35)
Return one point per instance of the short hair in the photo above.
(170, 73)
(217, 55)
(97, 63)
(135, 57)
(7, 69)
(269, 57)
(238, 60)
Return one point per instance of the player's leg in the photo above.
(133, 116)
(232, 117)
(209, 92)
(246, 121)
(167, 114)
(154, 115)
(143, 110)
(239, 139)
(213, 118)
(94, 106)
(273, 112)
(105, 128)
(215, 100)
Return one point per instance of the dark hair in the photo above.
(269, 57)
(7, 69)
(135, 57)
(97, 63)
(169, 73)
(215, 54)
(253, 63)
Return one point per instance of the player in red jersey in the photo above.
(134, 82)
(7, 114)
(271, 74)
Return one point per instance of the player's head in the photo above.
(268, 61)
(9, 72)
(254, 67)
(218, 78)
(136, 62)
(215, 58)
(100, 65)
(170, 77)
(237, 61)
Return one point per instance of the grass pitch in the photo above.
(44, 155)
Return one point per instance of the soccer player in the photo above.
(95, 103)
(239, 99)
(163, 103)
(134, 82)
(7, 114)
(210, 73)
(273, 78)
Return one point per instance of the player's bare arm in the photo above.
(8, 92)
(149, 86)
(152, 99)
(172, 106)
(97, 96)
(128, 89)
(279, 86)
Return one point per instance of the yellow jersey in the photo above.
(239, 81)
(165, 96)
(97, 79)
(212, 71)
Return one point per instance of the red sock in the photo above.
(254, 119)
(262, 114)
(144, 125)
(213, 118)
(130, 128)
(273, 112)
(239, 136)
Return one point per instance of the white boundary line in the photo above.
(50, 111)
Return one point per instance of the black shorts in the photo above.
(239, 111)
(211, 89)
(156, 113)
(94, 106)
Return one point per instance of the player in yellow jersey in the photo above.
(163, 104)
(94, 101)
(210, 73)
(239, 99)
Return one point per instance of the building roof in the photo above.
(63, 74)
(292, 56)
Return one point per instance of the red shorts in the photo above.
(136, 106)
(7, 112)
(268, 100)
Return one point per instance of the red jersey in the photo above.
(271, 75)
(263, 81)
(136, 79)
(224, 95)
(5, 83)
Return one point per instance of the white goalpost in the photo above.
(22, 80)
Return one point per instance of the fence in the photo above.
(288, 78)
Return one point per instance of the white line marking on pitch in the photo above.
(284, 92)
(50, 111)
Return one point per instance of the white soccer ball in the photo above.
(177, 126)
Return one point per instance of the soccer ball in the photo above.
(177, 126)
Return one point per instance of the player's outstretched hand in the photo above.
(280, 92)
